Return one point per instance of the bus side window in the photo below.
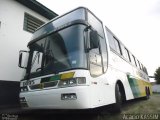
(145, 70)
(134, 60)
(111, 40)
(117, 45)
(139, 65)
(113, 43)
(128, 56)
(125, 53)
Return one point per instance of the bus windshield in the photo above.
(59, 51)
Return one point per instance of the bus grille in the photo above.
(43, 85)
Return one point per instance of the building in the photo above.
(155, 87)
(18, 20)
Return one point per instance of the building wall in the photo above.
(156, 88)
(13, 38)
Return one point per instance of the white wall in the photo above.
(156, 88)
(13, 38)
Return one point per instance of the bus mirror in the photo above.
(22, 59)
(94, 39)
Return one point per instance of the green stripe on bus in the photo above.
(56, 77)
(134, 86)
(48, 79)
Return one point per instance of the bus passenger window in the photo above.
(118, 49)
(139, 65)
(125, 53)
(111, 41)
(134, 60)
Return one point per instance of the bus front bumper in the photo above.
(77, 97)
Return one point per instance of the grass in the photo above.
(134, 108)
(137, 108)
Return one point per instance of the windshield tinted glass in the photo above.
(58, 52)
(78, 14)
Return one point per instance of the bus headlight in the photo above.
(72, 82)
(81, 80)
(24, 89)
(68, 82)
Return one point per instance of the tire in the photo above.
(118, 97)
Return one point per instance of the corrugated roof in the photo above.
(39, 8)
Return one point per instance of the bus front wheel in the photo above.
(118, 97)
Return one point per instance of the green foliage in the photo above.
(157, 75)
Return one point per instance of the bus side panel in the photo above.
(102, 92)
(120, 68)
(138, 84)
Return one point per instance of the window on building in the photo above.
(31, 23)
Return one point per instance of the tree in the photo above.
(157, 75)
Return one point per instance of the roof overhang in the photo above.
(39, 8)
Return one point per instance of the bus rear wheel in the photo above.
(118, 96)
(147, 93)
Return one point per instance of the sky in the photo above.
(135, 22)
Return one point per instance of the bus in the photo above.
(75, 62)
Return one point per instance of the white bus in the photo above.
(74, 62)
